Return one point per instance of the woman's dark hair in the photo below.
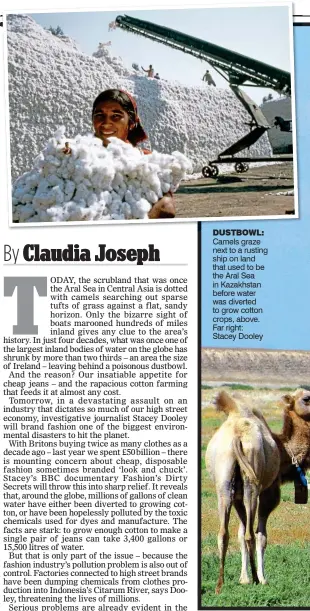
(137, 133)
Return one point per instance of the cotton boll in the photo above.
(155, 182)
(121, 193)
(115, 206)
(165, 186)
(43, 202)
(53, 214)
(44, 199)
(82, 193)
(184, 161)
(119, 165)
(129, 166)
(54, 180)
(165, 175)
(129, 197)
(87, 183)
(53, 161)
(117, 180)
(105, 197)
(91, 199)
(151, 196)
(78, 171)
(99, 210)
(76, 213)
(134, 182)
(127, 210)
(137, 195)
(115, 147)
(43, 186)
(59, 194)
(69, 189)
(83, 154)
(78, 176)
(19, 192)
(41, 217)
(141, 209)
(144, 205)
(23, 213)
(108, 175)
(33, 179)
(70, 165)
(89, 215)
(27, 197)
(123, 184)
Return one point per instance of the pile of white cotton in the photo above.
(80, 180)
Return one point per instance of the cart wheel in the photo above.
(214, 171)
(241, 167)
(207, 171)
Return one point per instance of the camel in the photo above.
(243, 460)
(294, 448)
(248, 463)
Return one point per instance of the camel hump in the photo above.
(224, 403)
(243, 462)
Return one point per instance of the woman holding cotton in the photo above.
(115, 115)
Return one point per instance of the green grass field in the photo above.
(287, 559)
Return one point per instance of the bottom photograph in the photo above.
(255, 450)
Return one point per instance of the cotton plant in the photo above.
(79, 179)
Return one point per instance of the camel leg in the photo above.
(240, 509)
(224, 508)
(250, 498)
(268, 501)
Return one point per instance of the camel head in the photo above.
(225, 403)
(299, 402)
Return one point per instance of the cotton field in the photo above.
(52, 83)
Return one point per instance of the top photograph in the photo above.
(169, 115)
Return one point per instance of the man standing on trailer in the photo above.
(208, 78)
(150, 71)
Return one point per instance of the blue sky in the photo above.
(286, 293)
(259, 32)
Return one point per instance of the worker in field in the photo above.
(208, 78)
(157, 76)
(150, 71)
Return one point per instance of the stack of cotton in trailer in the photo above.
(52, 83)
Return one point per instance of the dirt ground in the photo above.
(264, 367)
(253, 193)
